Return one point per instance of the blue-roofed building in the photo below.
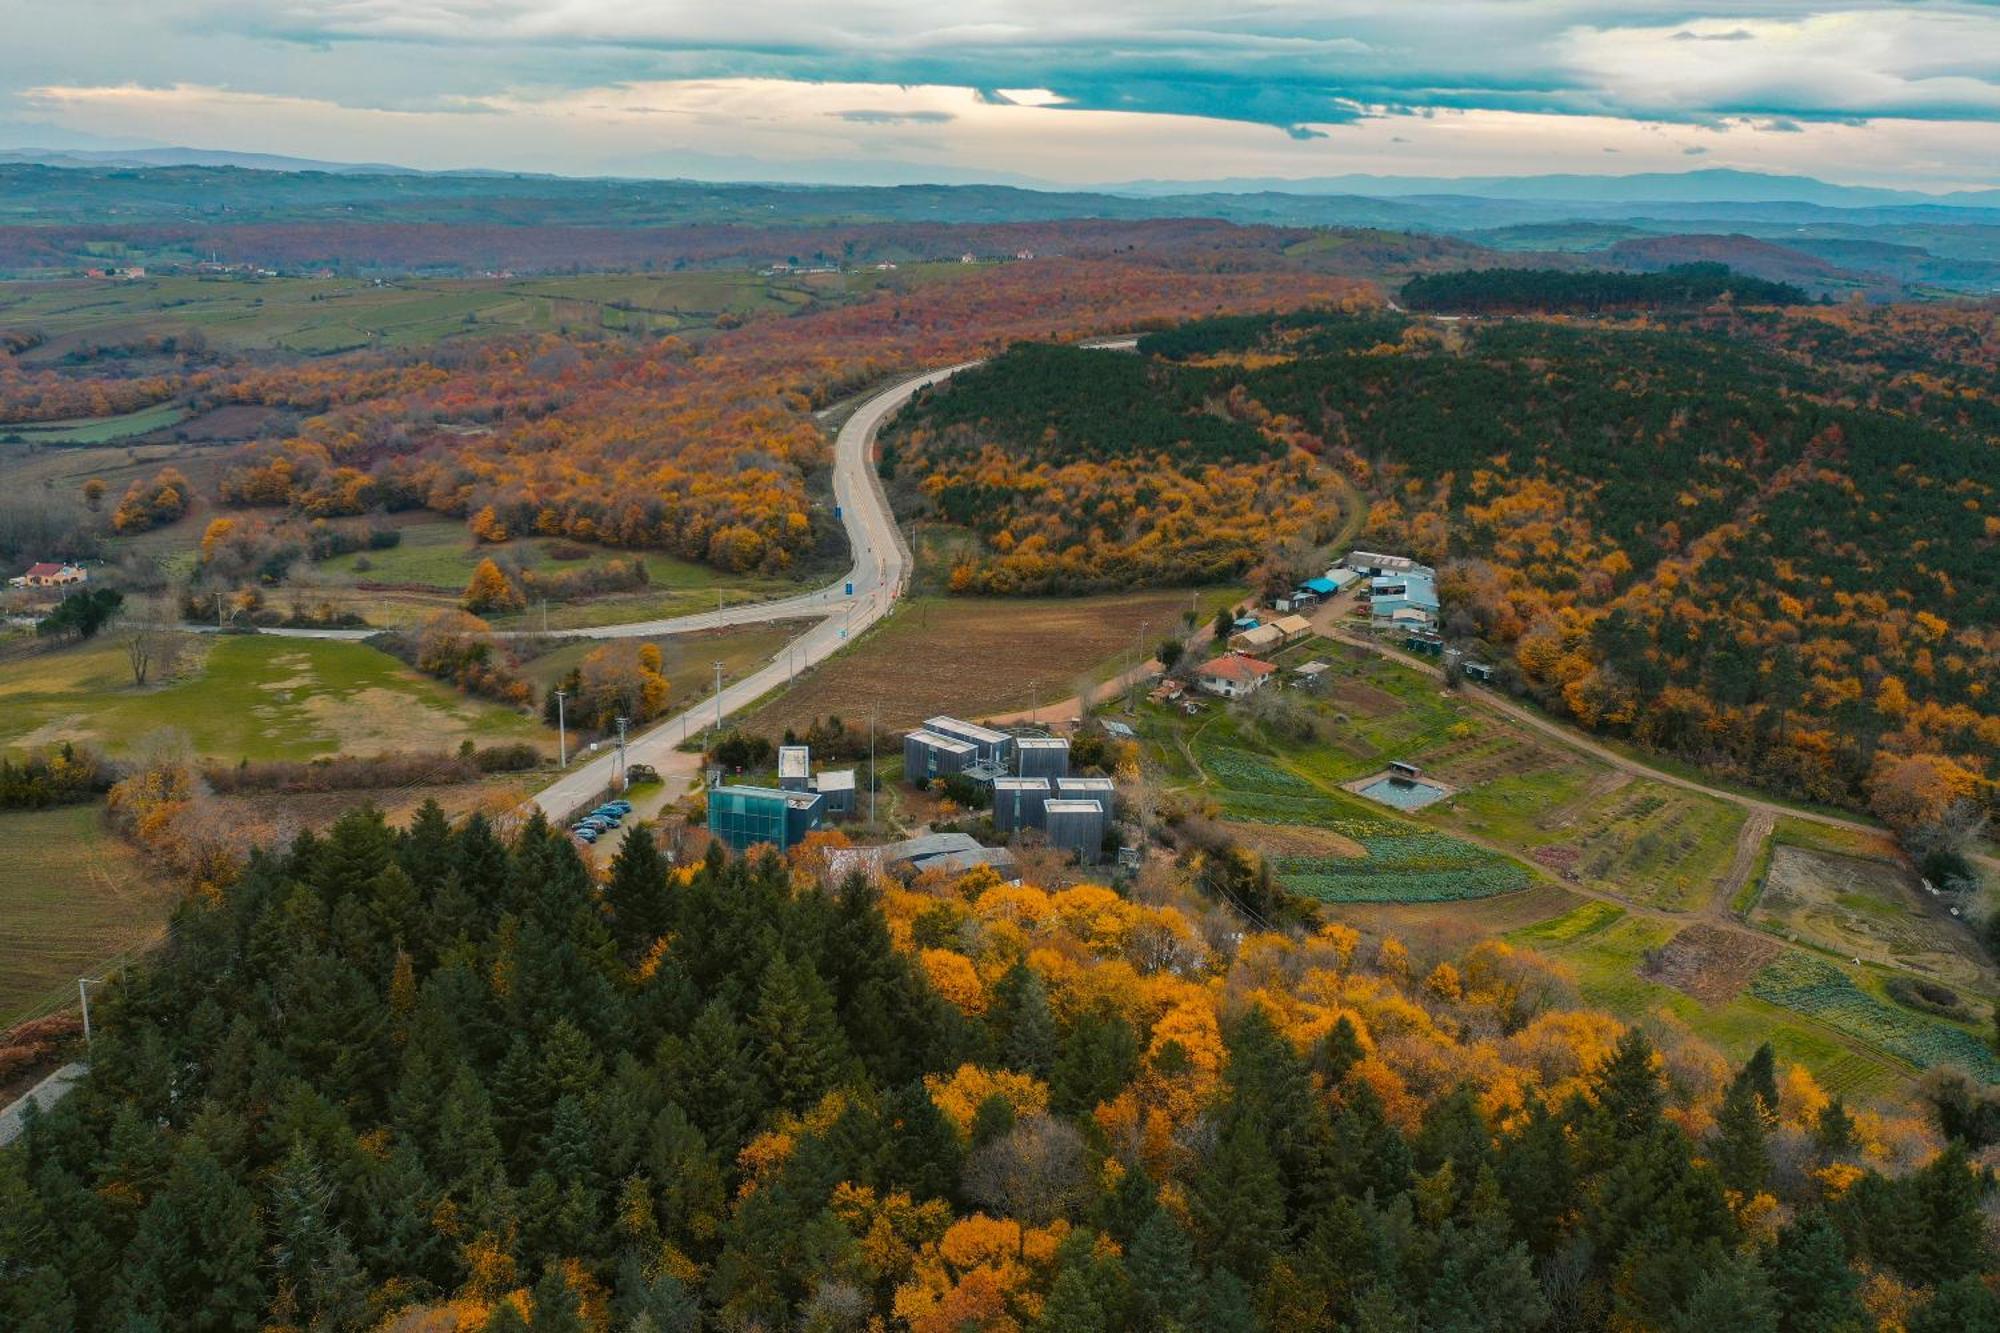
(1404, 600)
(1321, 587)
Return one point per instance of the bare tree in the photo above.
(151, 652)
(1036, 1172)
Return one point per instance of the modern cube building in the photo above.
(838, 787)
(794, 767)
(995, 747)
(1042, 757)
(743, 817)
(930, 754)
(1076, 826)
(1102, 790)
(1017, 803)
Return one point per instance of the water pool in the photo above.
(1407, 794)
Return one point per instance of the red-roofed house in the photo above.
(46, 575)
(1233, 675)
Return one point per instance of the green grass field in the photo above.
(249, 697)
(74, 895)
(96, 430)
(318, 316)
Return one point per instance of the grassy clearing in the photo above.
(74, 896)
(1858, 907)
(314, 316)
(249, 697)
(972, 656)
(1585, 919)
(1607, 964)
(96, 430)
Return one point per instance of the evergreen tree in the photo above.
(1098, 1059)
(638, 894)
(1731, 1294)
(1338, 1051)
(195, 1261)
(320, 1284)
(1628, 1086)
(924, 1156)
(1813, 1286)
(1238, 1202)
(1740, 1148)
(802, 1053)
(1166, 1285)
(1760, 1075)
(715, 1074)
(1963, 1305)
(1834, 1130)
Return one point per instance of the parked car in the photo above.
(583, 834)
(622, 807)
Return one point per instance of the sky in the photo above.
(1056, 92)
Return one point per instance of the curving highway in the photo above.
(844, 608)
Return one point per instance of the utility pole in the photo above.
(545, 615)
(718, 699)
(218, 608)
(562, 732)
(622, 783)
(83, 995)
(871, 769)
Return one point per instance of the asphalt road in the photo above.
(878, 577)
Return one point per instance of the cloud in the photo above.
(1335, 78)
(871, 116)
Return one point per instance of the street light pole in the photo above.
(622, 783)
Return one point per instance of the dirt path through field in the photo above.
(1749, 846)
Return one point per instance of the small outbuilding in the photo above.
(1077, 827)
(838, 787)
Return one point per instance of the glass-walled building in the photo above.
(746, 816)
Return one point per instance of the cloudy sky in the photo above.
(1060, 91)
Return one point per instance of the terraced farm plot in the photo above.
(1861, 908)
(1711, 963)
(72, 896)
(1812, 986)
(1651, 843)
(1586, 918)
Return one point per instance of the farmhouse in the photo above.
(1233, 675)
(44, 574)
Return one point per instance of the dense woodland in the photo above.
(1508, 291)
(435, 1080)
(1766, 541)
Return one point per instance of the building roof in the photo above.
(939, 741)
(1418, 589)
(1020, 784)
(1340, 576)
(798, 800)
(969, 731)
(953, 863)
(1120, 730)
(43, 569)
(1260, 636)
(1085, 784)
(794, 761)
(1074, 807)
(841, 779)
(1312, 668)
(1320, 587)
(1292, 625)
(1042, 743)
(1234, 666)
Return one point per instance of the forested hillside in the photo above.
(431, 1080)
(1503, 291)
(1766, 541)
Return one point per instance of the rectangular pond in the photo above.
(1403, 793)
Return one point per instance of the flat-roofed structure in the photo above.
(743, 817)
(794, 767)
(1076, 827)
(995, 747)
(838, 787)
(1017, 803)
(929, 754)
(1042, 757)
(1102, 790)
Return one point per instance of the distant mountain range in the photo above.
(1832, 239)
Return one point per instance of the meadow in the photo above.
(248, 697)
(73, 895)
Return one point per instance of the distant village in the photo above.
(1029, 780)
